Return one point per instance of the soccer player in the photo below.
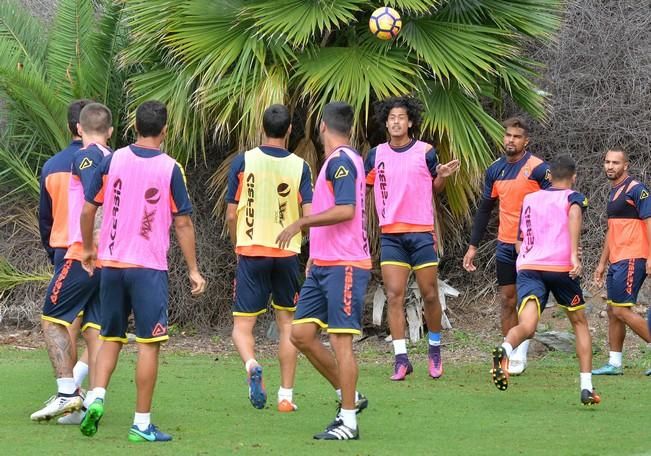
(404, 172)
(53, 226)
(508, 180)
(332, 296)
(548, 261)
(267, 188)
(95, 129)
(143, 191)
(626, 248)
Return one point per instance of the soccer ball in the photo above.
(385, 23)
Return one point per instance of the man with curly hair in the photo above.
(405, 172)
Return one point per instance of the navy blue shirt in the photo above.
(342, 174)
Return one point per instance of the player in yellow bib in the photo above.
(268, 189)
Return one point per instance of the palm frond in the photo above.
(68, 47)
(23, 30)
(298, 21)
(414, 6)
(355, 74)
(457, 52)
(10, 277)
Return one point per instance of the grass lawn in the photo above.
(202, 402)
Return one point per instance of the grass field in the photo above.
(202, 403)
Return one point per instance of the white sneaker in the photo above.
(57, 405)
(516, 366)
(72, 418)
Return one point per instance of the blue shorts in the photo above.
(505, 258)
(624, 281)
(537, 284)
(258, 277)
(72, 292)
(333, 298)
(142, 290)
(411, 250)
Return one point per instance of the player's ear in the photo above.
(164, 131)
(574, 179)
(80, 131)
(109, 133)
(289, 131)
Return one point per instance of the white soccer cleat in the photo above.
(57, 405)
(517, 366)
(72, 418)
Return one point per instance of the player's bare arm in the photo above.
(185, 234)
(87, 224)
(231, 222)
(332, 216)
(575, 222)
(598, 276)
(443, 171)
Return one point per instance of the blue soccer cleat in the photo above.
(151, 434)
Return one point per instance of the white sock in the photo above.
(400, 347)
(142, 420)
(285, 394)
(249, 364)
(615, 359)
(66, 385)
(520, 352)
(508, 348)
(349, 417)
(90, 397)
(79, 373)
(586, 380)
(338, 391)
(99, 393)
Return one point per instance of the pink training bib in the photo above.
(346, 241)
(76, 202)
(137, 210)
(546, 243)
(403, 185)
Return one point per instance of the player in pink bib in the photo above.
(143, 192)
(338, 270)
(548, 261)
(405, 173)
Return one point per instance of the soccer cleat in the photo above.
(73, 418)
(360, 404)
(94, 414)
(500, 372)
(648, 373)
(257, 392)
(516, 366)
(590, 397)
(435, 364)
(287, 406)
(401, 369)
(57, 405)
(151, 434)
(608, 369)
(337, 430)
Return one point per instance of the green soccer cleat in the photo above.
(608, 369)
(90, 423)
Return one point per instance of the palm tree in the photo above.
(40, 74)
(219, 63)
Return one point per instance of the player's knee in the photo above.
(395, 297)
(431, 298)
(617, 311)
(299, 337)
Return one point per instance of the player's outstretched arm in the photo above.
(575, 222)
(87, 225)
(336, 214)
(443, 171)
(185, 234)
(598, 276)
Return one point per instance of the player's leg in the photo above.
(252, 287)
(285, 287)
(424, 261)
(345, 291)
(64, 300)
(74, 330)
(394, 262)
(148, 290)
(115, 307)
(532, 295)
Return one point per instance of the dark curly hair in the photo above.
(411, 104)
